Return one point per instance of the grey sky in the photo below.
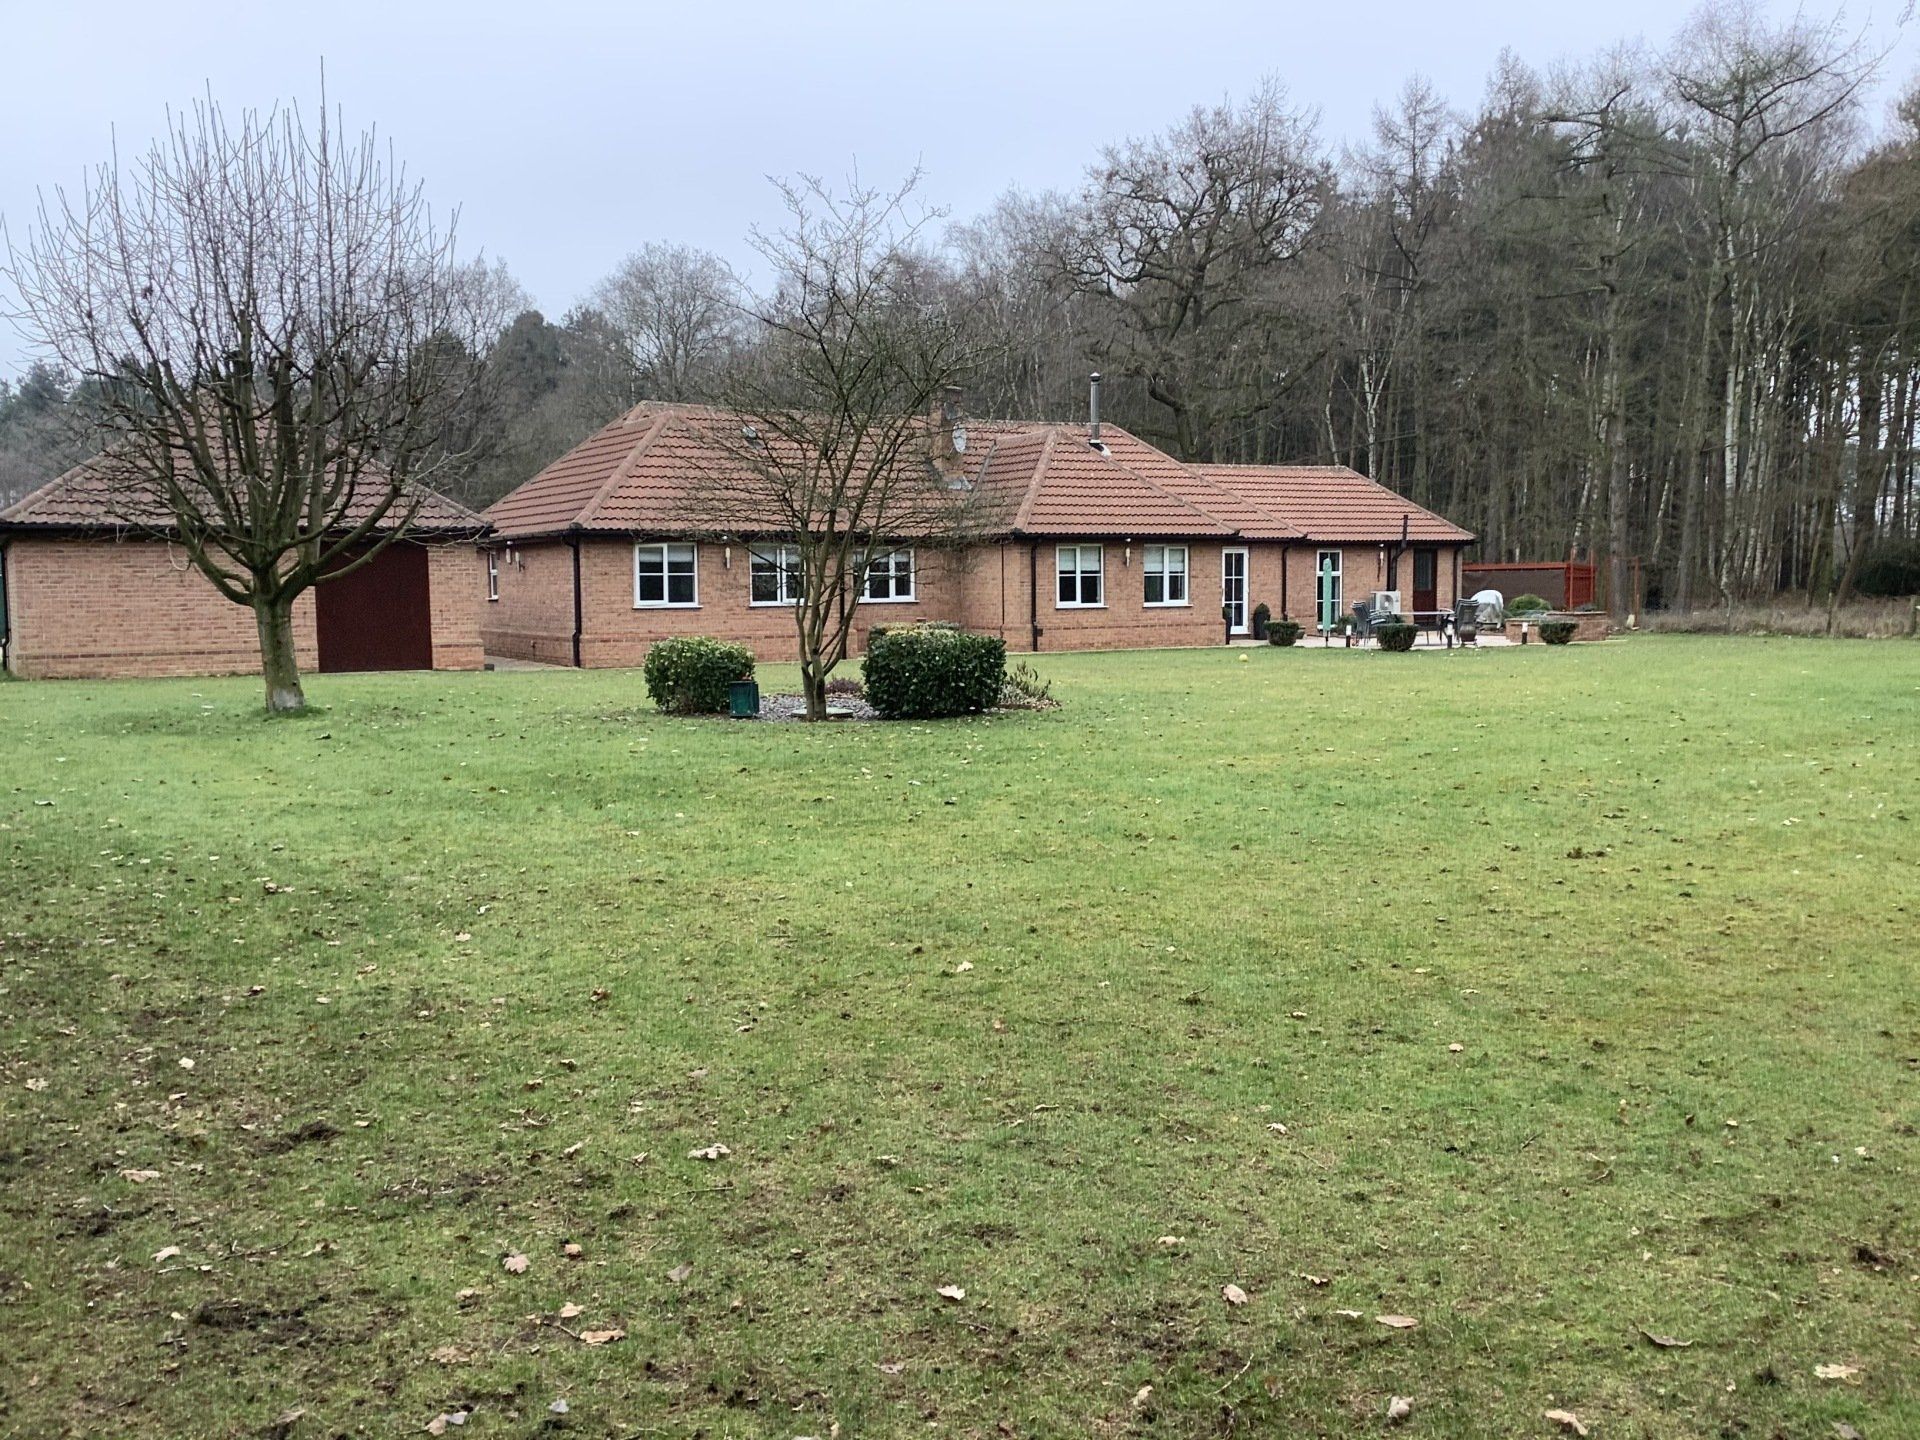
(571, 132)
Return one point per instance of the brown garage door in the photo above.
(379, 617)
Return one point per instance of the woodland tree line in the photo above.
(1654, 307)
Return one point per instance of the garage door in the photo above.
(379, 617)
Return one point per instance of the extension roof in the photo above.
(646, 473)
(91, 497)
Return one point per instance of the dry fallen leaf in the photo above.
(438, 1425)
(891, 1367)
(1836, 1372)
(1351, 1314)
(710, 1152)
(571, 1311)
(953, 1292)
(36, 1083)
(572, 1250)
(680, 1271)
(1455, 1048)
(1843, 1431)
(1172, 1240)
(139, 1177)
(515, 1264)
(1665, 1342)
(1316, 1279)
(160, 1257)
(452, 1355)
(1399, 1408)
(467, 1296)
(1277, 1128)
(558, 1407)
(1397, 1322)
(963, 967)
(1142, 1395)
(1567, 1420)
(1233, 1295)
(601, 1337)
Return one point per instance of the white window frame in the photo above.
(787, 586)
(894, 597)
(1080, 572)
(493, 576)
(665, 550)
(1166, 572)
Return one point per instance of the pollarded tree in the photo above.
(278, 338)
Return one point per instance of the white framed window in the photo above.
(665, 575)
(773, 574)
(889, 576)
(1078, 568)
(493, 574)
(1165, 572)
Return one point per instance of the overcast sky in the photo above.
(570, 132)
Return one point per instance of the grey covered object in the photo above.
(1493, 606)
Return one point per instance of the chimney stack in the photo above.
(1093, 409)
(950, 432)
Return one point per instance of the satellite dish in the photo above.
(960, 439)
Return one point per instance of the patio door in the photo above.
(1327, 593)
(1426, 577)
(1233, 589)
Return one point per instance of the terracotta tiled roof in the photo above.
(1331, 502)
(644, 474)
(88, 497)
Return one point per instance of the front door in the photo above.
(1233, 589)
(1328, 593)
(1426, 584)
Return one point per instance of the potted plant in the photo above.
(1262, 617)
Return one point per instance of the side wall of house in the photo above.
(617, 632)
(995, 597)
(533, 618)
(99, 608)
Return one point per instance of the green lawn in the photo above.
(1582, 980)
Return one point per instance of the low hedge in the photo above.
(1283, 632)
(925, 672)
(690, 675)
(1558, 632)
(1396, 636)
(1527, 605)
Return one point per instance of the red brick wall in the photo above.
(984, 589)
(94, 609)
(99, 608)
(533, 618)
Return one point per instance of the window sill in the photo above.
(1167, 604)
(1074, 605)
(771, 604)
(666, 604)
(889, 600)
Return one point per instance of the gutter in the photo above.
(573, 539)
(6, 614)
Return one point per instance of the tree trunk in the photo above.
(278, 663)
(814, 687)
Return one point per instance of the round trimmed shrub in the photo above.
(1396, 636)
(1527, 605)
(926, 672)
(690, 675)
(1283, 632)
(1558, 632)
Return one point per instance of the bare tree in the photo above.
(677, 310)
(827, 441)
(277, 337)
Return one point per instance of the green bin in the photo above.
(743, 699)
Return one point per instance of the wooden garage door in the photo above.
(379, 617)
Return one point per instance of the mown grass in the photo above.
(994, 1004)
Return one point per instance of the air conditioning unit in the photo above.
(1387, 602)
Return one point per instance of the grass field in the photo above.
(1585, 984)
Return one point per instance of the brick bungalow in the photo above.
(1102, 542)
(84, 594)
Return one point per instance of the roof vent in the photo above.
(1093, 411)
(750, 434)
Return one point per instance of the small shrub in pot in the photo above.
(690, 675)
(1558, 632)
(1262, 619)
(1395, 636)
